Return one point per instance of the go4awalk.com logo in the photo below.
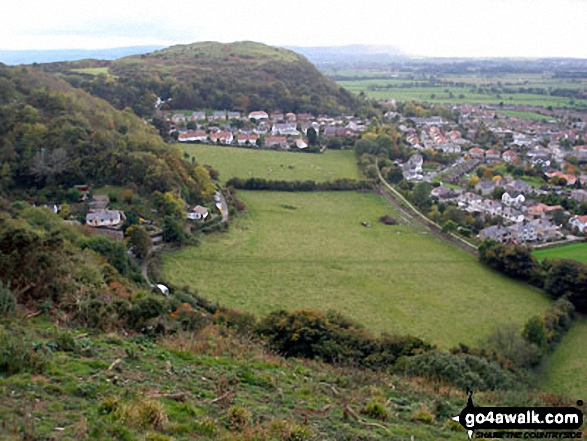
(528, 422)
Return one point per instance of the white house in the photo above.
(579, 222)
(197, 213)
(513, 199)
(105, 218)
(258, 115)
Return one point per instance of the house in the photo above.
(498, 233)
(579, 195)
(578, 222)
(274, 141)
(178, 117)
(341, 132)
(510, 214)
(519, 186)
(539, 210)
(198, 116)
(193, 136)
(223, 137)
(412, 169)
(545, 230)
(277, 115)
(83, 190)
(219, 115)
(291, 117)
(486, 187)
(258, 115)
(513, 198)
(247, 139)
(524, 232)
(301, 144)
(105, 218)
(492, 156)
(304, 116)
(509, 156)
(234, 115)
(443, 192)
(477, 153)
(581, 152)
(450, 147)
(197, 213)
(288, 128)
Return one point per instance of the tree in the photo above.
(173, 231)
(421, 195)
(395, 175)
(139, 241)
(567, 278)
(312, 136)
(534, 331)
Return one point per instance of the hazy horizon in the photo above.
(451, 28)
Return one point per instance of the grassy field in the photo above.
(525, 115)
(246, 163)
(575, 251)
(310, 251)
(92, 70)
(565, 371)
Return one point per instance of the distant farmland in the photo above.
(234, 162)
(309, 250)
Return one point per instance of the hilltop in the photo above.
(238, 76)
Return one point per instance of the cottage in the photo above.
(197, 213)
(105, 218)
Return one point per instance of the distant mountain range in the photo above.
(349, 54)
(13, 57)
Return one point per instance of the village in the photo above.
(506, 175)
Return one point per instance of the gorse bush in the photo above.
(462, 370)
(18, 353)
(335, 339)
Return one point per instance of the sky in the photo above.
(444, 28)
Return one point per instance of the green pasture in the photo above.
(237, 162)
(309, 250)
(566, 371)
(575, 251)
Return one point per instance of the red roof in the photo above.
(510, 153)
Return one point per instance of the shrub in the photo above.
(375, 409)
(388, 220)
(333, 338)
(238, 417)
(462, 370)
(18, 353)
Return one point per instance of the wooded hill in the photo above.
(53, 136)
(240, 76)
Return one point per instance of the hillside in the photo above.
(238, 76)
(53, 137)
